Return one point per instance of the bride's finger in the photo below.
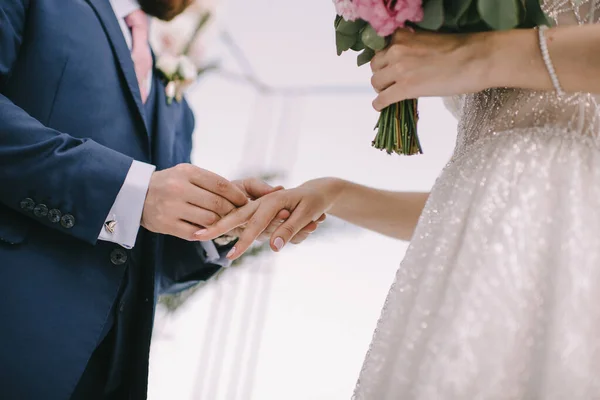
(228, 223)
(379, 61)
(257, 224)
(301, 217)
(279, 219)
(384, 78)
(304, 233)
(391, 95)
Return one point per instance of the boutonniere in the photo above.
(179, 48)
(178, 73)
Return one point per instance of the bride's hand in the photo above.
(420, 64)
(307, 203)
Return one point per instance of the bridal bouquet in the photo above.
(367, 25)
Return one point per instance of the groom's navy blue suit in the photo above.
(71, 122)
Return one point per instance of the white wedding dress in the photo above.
(498, 296)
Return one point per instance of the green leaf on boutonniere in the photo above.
(343, 42)
(365, 56)
(499, 14)
(433, 15)
(371, 39)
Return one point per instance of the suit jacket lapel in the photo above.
(113, 31)
(164, 138)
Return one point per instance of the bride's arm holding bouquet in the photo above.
(441, 48)
(422, 64)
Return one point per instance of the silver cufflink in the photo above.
(110, 226)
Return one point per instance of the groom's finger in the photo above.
(184, 230)
(206, 200)
(216, 184)
(198, 216)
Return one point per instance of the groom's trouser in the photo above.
(92, 384)
(106, 374)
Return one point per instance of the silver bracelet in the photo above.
(548, 61)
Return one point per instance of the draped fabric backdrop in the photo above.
(295, 325)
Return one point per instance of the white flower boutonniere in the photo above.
(177, 44)
(178, 73)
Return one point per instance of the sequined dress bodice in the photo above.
(494, 111)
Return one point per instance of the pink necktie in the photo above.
(137, 21)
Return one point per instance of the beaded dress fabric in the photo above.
(498, 296)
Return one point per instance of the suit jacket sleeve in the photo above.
(81, 177)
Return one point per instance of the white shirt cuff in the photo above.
(123, 8)
(123, 221)
(212, 255)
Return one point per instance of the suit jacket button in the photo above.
(40, 211)
(118, 257)
(27, 204)
(67, 221)
(54, 215)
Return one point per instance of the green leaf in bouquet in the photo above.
(359, 45)
(471, 17)
(522, 14)
(343, 42)
(499, 14)
(338, 19)
(433, 15)
(371, 39)
(365, 56)
(535, 14)
(456, 9)
(350, 28)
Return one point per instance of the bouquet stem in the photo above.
(397, 129)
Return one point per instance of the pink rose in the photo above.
(385, 16)
(346, 8)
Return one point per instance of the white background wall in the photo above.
(297, 325)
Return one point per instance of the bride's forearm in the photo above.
(393, 214)
(514, 58)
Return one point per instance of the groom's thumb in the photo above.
(257, 188)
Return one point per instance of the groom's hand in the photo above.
(185, 197)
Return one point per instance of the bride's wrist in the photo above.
(514, 60)
(333, 188)
(488, 52)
